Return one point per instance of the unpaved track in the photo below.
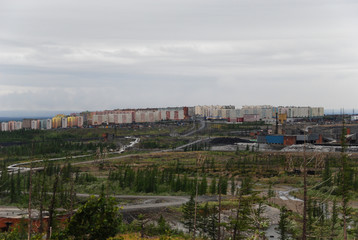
(150, 203)
(201, 127)
(17, 166)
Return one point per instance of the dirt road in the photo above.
(146, 203)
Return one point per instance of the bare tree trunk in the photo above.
(344, 187)
(29, 210)
(345, 223)
(41, 227)
(72, 195)
(52, 207)
(219, 220)
(304, 227)
(344, 202)
(199, 161)
(236, 232)
(196, 203)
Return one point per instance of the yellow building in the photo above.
(71, 121)
(57, 121)
(282, 118)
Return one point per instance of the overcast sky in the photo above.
(93, 55)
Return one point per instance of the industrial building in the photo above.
(287, 140)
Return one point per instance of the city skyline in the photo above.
(89, 55)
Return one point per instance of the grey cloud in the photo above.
(96, 55)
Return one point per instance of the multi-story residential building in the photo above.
(12, 125)
(265, 113)
(57, 121)
(99, 118)
(268, 113)
(251, 118)
(317, 111)
(35, 124)
(4, 126)
(138, 115)
(301, 112)
(18, 125)
(48, 123)
(45, 124)
(121, 117)
(214, 111)
(71, 121)
(64, 122)
(26, 123)
(79, 120)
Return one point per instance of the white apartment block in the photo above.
(34, 124)
(214, 111)
(266, 113)
(48, 123)
(4, 126)
(18, 125)
(301, 112)
(64, 122)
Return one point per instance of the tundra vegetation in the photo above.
(235, 189)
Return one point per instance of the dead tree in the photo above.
(199, 161)
(304, 226)
(42, 195)
(52, 206)
(29, 210)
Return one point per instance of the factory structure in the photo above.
(265, 113)
(287, 140)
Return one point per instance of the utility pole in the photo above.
(276, 130)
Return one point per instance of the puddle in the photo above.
(272, 233)
(285, 195)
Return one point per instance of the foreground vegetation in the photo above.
(243, 183)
